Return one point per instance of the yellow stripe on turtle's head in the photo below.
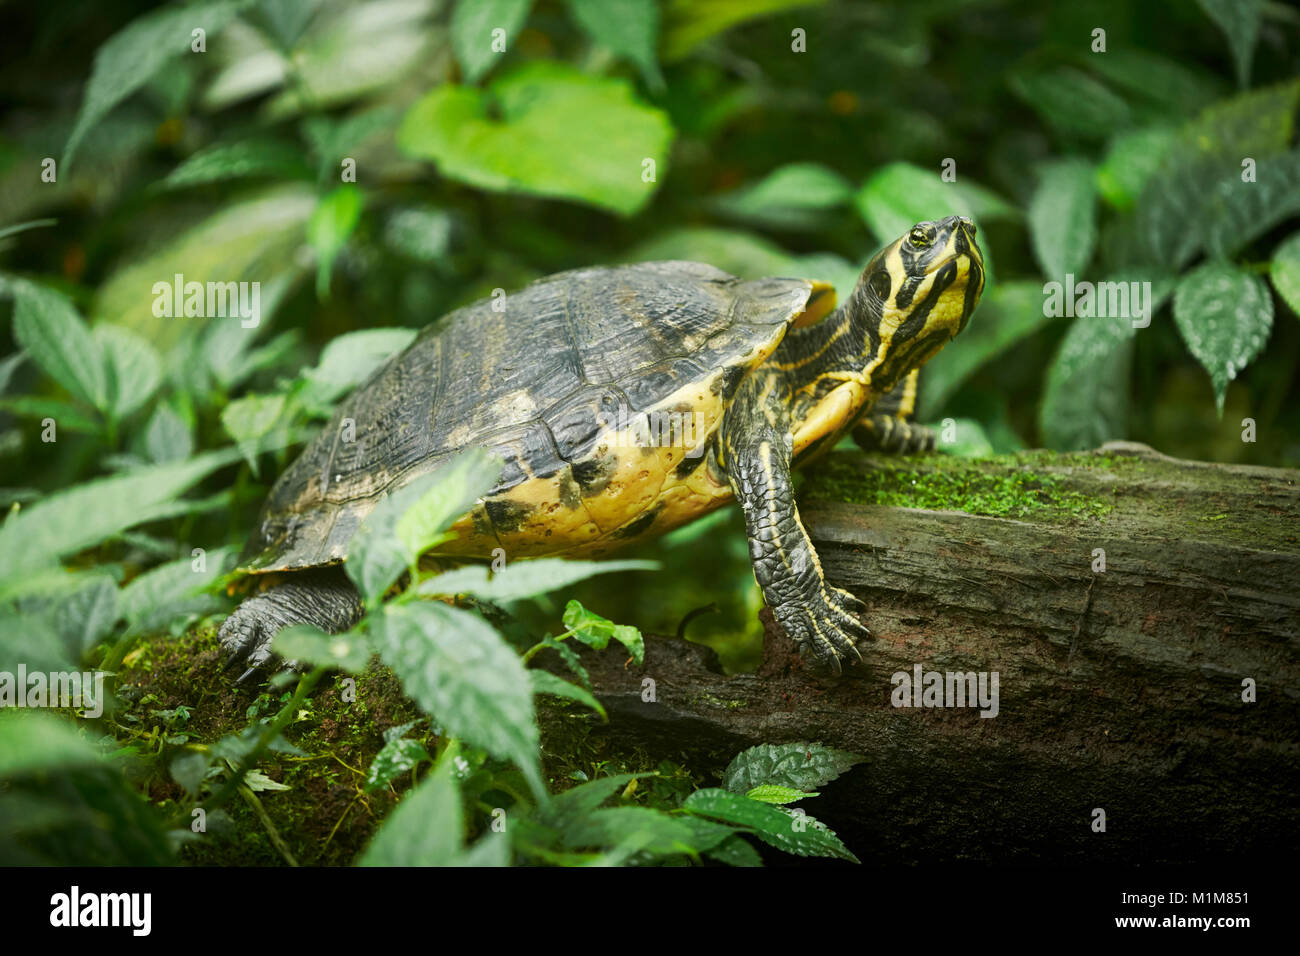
(916, 295)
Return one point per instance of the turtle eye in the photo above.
(880, 284)
(919, 237)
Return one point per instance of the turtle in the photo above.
(624, 401)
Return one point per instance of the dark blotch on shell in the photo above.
(506, 515)
(594, 474)
(640, 525)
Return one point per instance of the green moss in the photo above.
(1008, 486)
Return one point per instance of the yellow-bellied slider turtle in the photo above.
(626, 402)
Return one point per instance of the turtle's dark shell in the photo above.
(551, 377)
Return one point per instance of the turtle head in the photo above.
(916, 294)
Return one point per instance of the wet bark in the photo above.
(1119, 690)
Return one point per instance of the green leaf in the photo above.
(86, 514)
(774, 793)
(251, 419)
(1239, 21)
(153, 599)
(130, 57)
(1238, 212)
(735, 851)
(49, 329)
(331, 223)
(65, 414)
(1009, 313)
(1072, 101)
(597, 163)
(85, 617)
(348, 360)
(397, 757)
(167, 437)
(649, 831)
(472, 26)
(349, 651)
(793, 196)
(595, 631)
(800, 766)
(42, 743)
(628, 28)
(426, 829)
(526, 578)
(688, 23)
(795, 833)
(223, 162)
(133, 369)
(460, 481)
(898, 196)
(1063, 218)
(545, 682)
(1285, 271)
(1225, 315)
(461, 672)
(1131, 160)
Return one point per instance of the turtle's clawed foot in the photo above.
(246, 638)
(827, 627)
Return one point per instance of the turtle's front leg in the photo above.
(820, 618)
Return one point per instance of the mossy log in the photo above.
(1120, 689)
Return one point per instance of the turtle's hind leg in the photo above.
(323, 597)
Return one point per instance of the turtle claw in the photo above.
(827, 628)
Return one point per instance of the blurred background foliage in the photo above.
(762, 136)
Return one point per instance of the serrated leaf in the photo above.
(85, 617)
(897, 196)
(172, 590)
(774, 793)
(459, 482)
(599, 164)
(331, 224)
(545, 682)
(1285, 271)
(650, 831)
(461, 672)
(1238, 212)
(426, 829)
(167, 437)
(801, 766)
(564, 809)
(48, 328)
(130, 57)
(629, 28)
(595, 631)
(396, 758)
(1225, 315)
(349, 651)
(133, 369)
(1239, 21)
(250, 420)
(1063, 218)
(735, 851)
(795, 833)
(472, 26)
(349, 360)
(525, 578)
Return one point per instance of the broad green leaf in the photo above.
(1171, 87)
(795, 833)
(251, 419)
(735, 851)
(628, 28)
(65, 414)
(1072, 101)
(426, 829)
(86, 514)
(397, 757)
(688, 23)
(158, 596)
(461, 672)
(515, 149)
(133, 369)
(1009, 312)
(794, 196)
(1085, 399)
(461, 481)
(545, 682)
(85, 617)
(800, 766)
(349, 651)
(1063, 218)
(565, 809)
(48, 327)
(41, 743)
(1286, 271)
(328, 229)
(472, 27)
(167, 437)
(1238, 212)
(595, 631)
(348, 360)
(898, 196)
(240, 160)
(1225, 315)
(650, 831)
(524, 579)
(774, 793)
(1131, 160)
(130, 57)
(1239, 21)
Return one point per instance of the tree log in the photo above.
(1121, 689)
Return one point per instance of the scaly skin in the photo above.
(323, 597)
